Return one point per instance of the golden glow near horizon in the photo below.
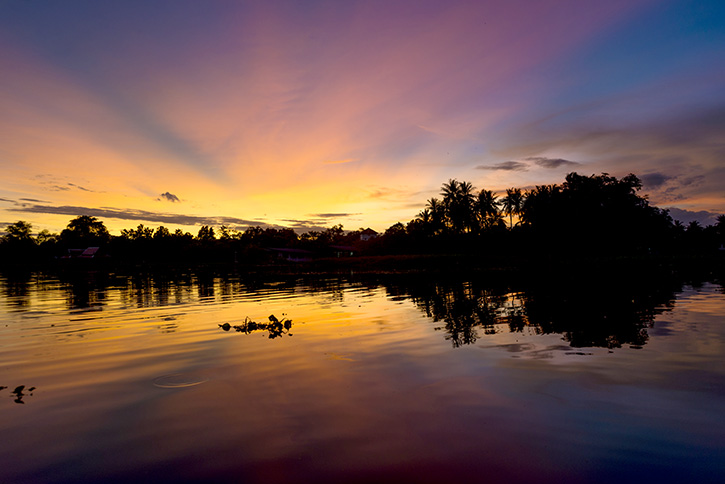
(307, 116)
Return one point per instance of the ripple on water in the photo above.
(179, 380)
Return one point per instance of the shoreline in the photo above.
(440, 265)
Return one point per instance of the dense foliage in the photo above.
(585, 215)
(597, 215)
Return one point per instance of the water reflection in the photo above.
(598, 312)
(87, 292)
(608, 312)
(15, 289)
(176, 371)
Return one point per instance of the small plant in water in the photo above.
(19, 392)
(275, 327)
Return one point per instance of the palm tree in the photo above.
(450, 195)
(437, 215)
(458, 200)
(512, 203)
(424, 216)
(487, 209)
(466, 206)
(449, 190)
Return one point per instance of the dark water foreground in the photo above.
(375, 379)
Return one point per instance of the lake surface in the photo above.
(385, 379)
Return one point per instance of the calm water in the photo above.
(384, 380)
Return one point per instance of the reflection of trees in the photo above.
(85, 291)
(463, 308)
(205, 286)
(606, 311)
(15, 289)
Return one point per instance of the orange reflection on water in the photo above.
(145, 383)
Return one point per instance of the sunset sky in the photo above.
(311, 113)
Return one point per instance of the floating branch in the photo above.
(19, 392)
(275, 327)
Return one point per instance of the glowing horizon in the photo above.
(314, 114)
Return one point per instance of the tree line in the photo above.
(597, 214)
(147, 245)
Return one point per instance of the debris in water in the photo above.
(275, 327)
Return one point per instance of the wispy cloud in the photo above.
(141, 215)
(334, 215)
(397, 195)
(67, 187)
(243, 107)
(704, 217)
(505, 166)
(305, 225)
(79, 187)
(654, 180)
(169, 197)
(551, 162)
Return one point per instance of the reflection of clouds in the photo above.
(538, 352)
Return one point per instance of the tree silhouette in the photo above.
(437, 215)
(139, 233)
(597, 215)
(458, 201)
(17, 241)
(610, 216)
(45, 237)
(85, 230)
(162, 233)
(227, 233)
(206, 234)
(488, 211)
(720, 230)
(19, 231)
(512, 203)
